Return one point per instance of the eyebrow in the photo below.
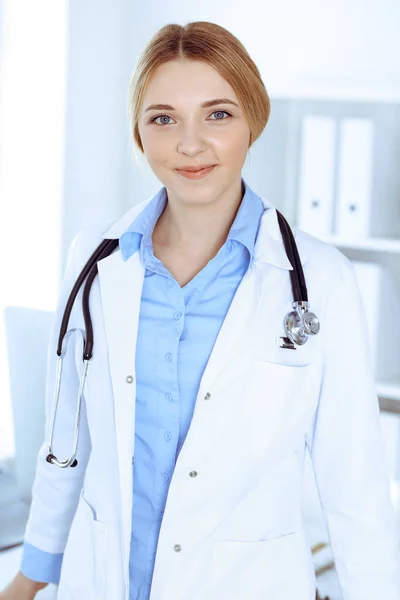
(205, 104)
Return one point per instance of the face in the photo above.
(188, 134)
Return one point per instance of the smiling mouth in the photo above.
(189, 170)
(198, 174)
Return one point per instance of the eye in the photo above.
(220, 112)
(153, 119)
(157, 117)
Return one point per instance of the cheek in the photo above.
(232, 142)
(158, 148)
(153, 142)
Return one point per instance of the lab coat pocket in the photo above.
(277, 403)
(99, 546)
(83, 568)
(273, 568)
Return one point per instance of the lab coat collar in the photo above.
(269, 245)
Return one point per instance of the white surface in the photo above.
(27, 335)
(13, 512)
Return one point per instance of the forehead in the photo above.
(183, 80)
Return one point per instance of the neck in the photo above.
(198, 227)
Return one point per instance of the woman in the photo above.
(196, 421)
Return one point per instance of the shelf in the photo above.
(390, 390)
(389, 396)
(339, 91)
(369, 244)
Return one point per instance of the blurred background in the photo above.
(328, 159)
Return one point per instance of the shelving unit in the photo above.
(382, 246)
(388, 391)
(274, 170)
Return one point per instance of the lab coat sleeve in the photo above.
(55, 491)
(348, 452)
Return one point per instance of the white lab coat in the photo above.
(235, 530)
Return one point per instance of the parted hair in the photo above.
(210, 43)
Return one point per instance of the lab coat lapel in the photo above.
(121, 289)
(243, 310)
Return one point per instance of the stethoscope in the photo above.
(298, 324)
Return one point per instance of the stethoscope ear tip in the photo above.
(50, 458)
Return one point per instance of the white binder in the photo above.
(317, 161)
(353, 216)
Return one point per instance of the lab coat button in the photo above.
(193, 474)
(207, 396)
(129, 378)
(177, 547)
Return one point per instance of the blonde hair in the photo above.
(210, 43)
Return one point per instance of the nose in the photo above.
(191, 140)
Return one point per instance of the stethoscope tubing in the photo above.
(297, 278)
(105, 248)
(295, 320)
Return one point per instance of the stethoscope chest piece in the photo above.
(299, 324)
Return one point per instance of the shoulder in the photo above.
(91, 236)
(330, 277)
(322, 259)
(84, 243)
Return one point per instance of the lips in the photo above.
(198, 174)
(195, 169)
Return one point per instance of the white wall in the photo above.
(97, 147)
(343, 49)
(32, 110)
